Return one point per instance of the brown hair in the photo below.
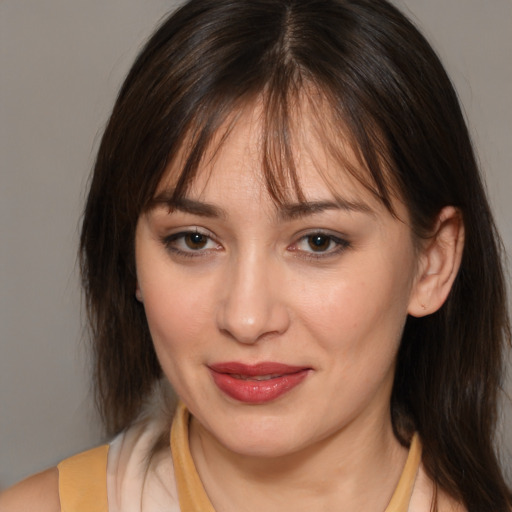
(386, 88)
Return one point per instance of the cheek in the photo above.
(357, 326)
(176, 324)
(360, 315)
(175, 306)
(176, 317)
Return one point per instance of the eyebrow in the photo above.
(290, 211)
(186, 205)
(286, 211)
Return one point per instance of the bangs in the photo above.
(192, 85)
(293, 116)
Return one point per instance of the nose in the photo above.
(251, 306)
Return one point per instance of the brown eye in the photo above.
(190, 243)
(319, 242)
(318, 245)
(195, 241)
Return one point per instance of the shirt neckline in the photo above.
(193, 498)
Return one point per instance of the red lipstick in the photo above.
(259, 383)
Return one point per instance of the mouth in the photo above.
(257, 384)
(258, 378)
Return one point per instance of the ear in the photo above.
(438, 264)
(138, 293)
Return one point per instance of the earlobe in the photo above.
(138, 293)
(439, 264)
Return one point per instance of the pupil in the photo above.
(319, 242)
(195, 241)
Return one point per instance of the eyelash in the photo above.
(170, 241)
(339, 245)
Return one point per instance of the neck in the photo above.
(356, 468)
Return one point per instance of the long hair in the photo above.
(386, 91)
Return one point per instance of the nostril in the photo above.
(269, 320)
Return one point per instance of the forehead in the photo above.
(308, 160)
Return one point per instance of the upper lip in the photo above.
(253, 370)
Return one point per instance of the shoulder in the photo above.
(39, 492)
(64, 484)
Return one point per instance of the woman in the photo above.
(286, 223)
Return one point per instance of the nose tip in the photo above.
(249, 329)
(252, 310)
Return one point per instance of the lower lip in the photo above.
(257, 391)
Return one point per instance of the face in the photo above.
(278, 326)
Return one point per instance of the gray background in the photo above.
(61, 64)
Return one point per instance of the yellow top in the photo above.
(83, 478)
(83, 481)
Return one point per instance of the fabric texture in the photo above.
(140, 479)
(128, 477)
(83, 481)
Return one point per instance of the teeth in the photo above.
(256, 377)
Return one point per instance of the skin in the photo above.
(38, 492)
(237, 278)
(256, 288)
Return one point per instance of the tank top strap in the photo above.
(191, 494)
(83, 481)
(403, 491)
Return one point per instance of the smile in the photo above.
(256, 384)
(256, 377)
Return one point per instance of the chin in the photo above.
(261, 448)
(263, 438)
